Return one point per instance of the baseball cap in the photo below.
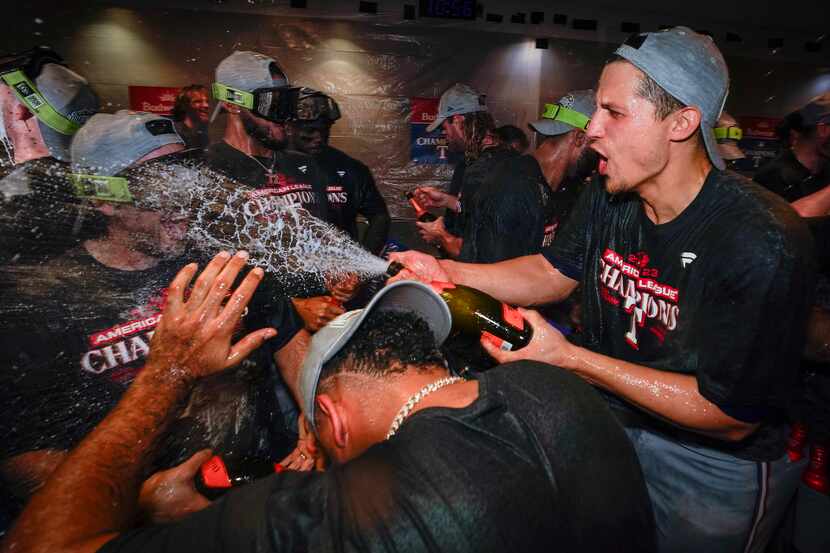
(816, 111)
(728, 133)
(111, 142)
(60, 99)
(572, 111)
(244, 72)
(405, 295)
(688, 66)
(457, 100)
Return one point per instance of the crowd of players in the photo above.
(690, 292)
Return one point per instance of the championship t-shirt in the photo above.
(288, 178)
(351, 191)
(75, 333)
(721, 292)
(536, 463)
(512, 214)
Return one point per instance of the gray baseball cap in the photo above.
(572, 111)
(405, 295)
(457, 100)
(111, 142)
(816, 110)
(72, 97)
(688, 66)
(248, 71)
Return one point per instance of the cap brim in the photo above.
(435, 124)
(711, 144)
(549, 127)
(405, 295)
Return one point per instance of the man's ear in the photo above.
(684, 123)
(580, 138)
(337, 418)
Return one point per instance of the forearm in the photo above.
(528, 280)
(290, 358)
(816, 204)
(451, 244)
(25, 474)
(673, 397)
(101, 477)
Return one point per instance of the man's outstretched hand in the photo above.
(194, 337)
(418, 266)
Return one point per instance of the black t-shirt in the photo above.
(451, 220)
(511, 215)
(720, 292)
(76, 333)
(473, 177)
(789, 179)
(289, 178)
(39, 212)
(536, 463)
(351, 191)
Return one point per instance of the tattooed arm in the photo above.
(93, 494)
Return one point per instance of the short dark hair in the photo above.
(387, 342)
(664, 103)
(794, 122)
(183, 100)
(511, 133)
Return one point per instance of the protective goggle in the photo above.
(729, 133)
(19, 72)
(272, 103)
(311, 105)
(571, 117)
(99, 187)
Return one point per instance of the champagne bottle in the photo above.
(394, 268)
(421, 213)
(217, 475)
(474, 312)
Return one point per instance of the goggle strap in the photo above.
(27, 92)
(571, 117)
(729, 133)
(224, 93)
(99, 187)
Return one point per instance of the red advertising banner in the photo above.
(154, 99)
(762, 128)
(426, 147)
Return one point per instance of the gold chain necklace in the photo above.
(407, 407)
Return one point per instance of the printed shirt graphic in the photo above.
(296, 180)
(75, 334)
(350, 190)
(733, 316)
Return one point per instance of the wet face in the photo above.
(269, 134)
(309, 140)
(454, 132)
(632, 143)
(156, 233)
(199, 109)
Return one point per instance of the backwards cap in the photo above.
(688, 66)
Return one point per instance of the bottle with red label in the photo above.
(219, 475)
(474, 313)
(421, 213)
